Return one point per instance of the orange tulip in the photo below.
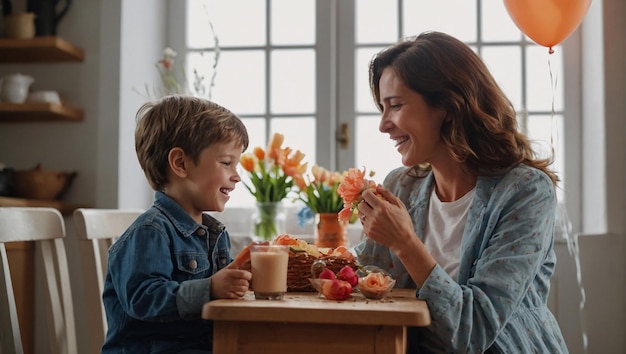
(292, 165)
(259, 153)
(247, 162)
(274, 151)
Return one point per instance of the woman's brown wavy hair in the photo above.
(481, 130)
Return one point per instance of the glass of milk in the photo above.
(269, 271)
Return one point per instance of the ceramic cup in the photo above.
(14, 87)
(269, 271)
(19, 25)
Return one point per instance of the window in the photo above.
(300, 68)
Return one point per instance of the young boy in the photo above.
(174, 258)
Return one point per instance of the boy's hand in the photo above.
(230, 283)
(244, 255)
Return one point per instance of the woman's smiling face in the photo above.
(410, 121)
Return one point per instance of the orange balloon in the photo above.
(547, 22)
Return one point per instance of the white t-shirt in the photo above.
(444, 230)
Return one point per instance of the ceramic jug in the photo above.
(14, 87)
(47, 17)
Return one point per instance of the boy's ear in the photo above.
(176, 160)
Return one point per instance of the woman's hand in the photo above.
(386, 221)
(385, 218)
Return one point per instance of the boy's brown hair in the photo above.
(190, 123)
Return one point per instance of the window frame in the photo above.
(336, 93)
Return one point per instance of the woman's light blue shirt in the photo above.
(499, 301)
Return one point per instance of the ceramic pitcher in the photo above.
(14, 87)
(48, 14)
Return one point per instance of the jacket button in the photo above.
(193, 264)
(201, 232)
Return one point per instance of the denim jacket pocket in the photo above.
(192, 262)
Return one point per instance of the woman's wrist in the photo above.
(416, 259)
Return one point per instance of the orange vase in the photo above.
(329, 231)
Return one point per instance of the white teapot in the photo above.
(14, 88)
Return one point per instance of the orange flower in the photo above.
(374, 282)
(274, 150)
(376, 285)
(273, 172)
(248, 162)
(259, 153)
(350, 189)
(293, 166)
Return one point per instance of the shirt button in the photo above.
(193, 264)
(201, 232)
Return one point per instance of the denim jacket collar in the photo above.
(181, 219)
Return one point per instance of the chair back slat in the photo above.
(97, 229)
(44, 226)
(10, 338)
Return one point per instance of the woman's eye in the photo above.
(226, 163)
(395, 106)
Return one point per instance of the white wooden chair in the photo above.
(97, 229)
(45, 226)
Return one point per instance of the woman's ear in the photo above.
(176, 160)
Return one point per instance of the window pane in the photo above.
(293, 22)
(293, 81)
(364, 100)
(239, 83)
(546, 133)
(497, 24)
(376, 21)
(241, 197)
(505, 64)
(454, 17)
(544, 72)
(227, 18)
(299, 134)
(374, 150)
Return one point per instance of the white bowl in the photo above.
(44, 96)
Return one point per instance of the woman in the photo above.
(469, 219)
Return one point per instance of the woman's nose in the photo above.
(385, 124)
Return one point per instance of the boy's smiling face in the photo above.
(205, 186)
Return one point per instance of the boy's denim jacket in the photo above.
(158, 279)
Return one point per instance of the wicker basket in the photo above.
(299, 270)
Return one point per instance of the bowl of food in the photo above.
(40, 183)
(374, 282)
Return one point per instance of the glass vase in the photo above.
(268, 220)
(329, 231)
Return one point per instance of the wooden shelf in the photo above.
(38, 112)
(64, 208)
(46, 49)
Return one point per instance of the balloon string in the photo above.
(553, 131)
(563, 218)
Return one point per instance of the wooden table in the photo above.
(304, 323)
